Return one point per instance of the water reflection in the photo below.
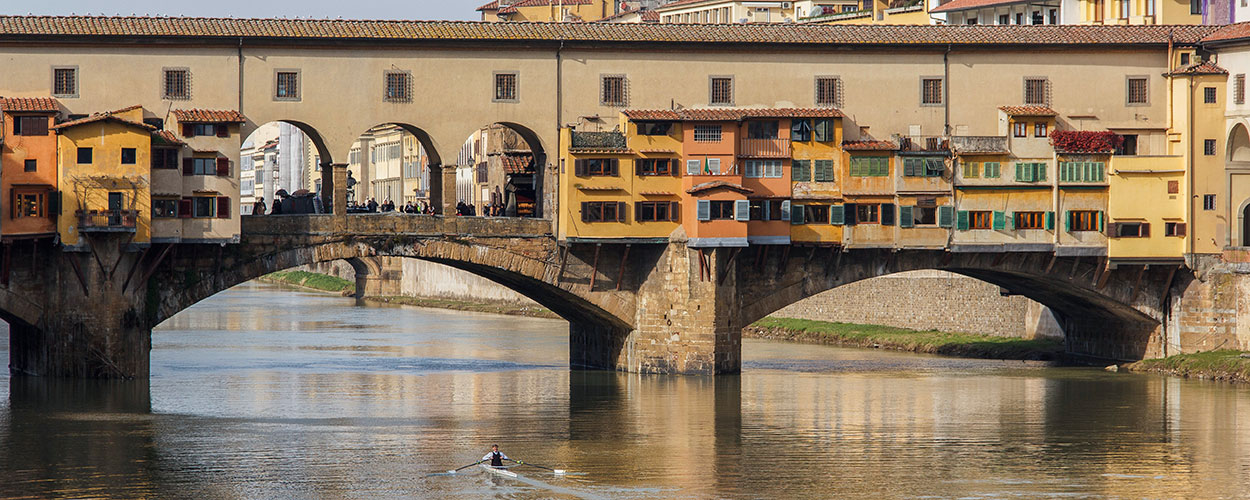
(310, 396)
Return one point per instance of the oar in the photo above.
(458, 469)
(555, 471)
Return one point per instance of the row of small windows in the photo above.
(198, 207)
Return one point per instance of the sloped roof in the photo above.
(707, 186)
(202, 30)
(1200, 68)
(1028, 110)
(99, 117)
(729, 114)
(29, 104)
(167, 137)
(208, 116)
(1229, 32)
(539, 3)
(518, 164)
(490, 6)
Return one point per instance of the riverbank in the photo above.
(336, 285)
(901, 339)
(1224, 365)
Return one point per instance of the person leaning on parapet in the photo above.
(275, 207)
(258, 206)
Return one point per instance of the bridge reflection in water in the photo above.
(309, 395)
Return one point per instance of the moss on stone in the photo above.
(1229, 365)
(933, 342)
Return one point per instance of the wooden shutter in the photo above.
(14, 207)
(1113, 229)
(692, 167)
(1000, 220)
(837, 215)
(785, 211)
(1067, 221)
(946, 216)
(703, 209)
(638, 166)
(674, 166)
(887, 214)
(801, 171)
(185, 208)
(742, 210)
(798, 214)
(852, 216)
(1145, 229)
(961, 222)
(905, 216)
(54, 203)
(614, 167)
(1101, 222)
(1039, 171)
(223, 207)
(1050, 221)
(638, 212)
(35, 125)
(765, 209)
(188, 166)
(222, 130)
(585, 209)
(579, 168)
(188, 130)
(621, 214)
(1181, 228)
(713, 166)
(223, 166)
(674, 211)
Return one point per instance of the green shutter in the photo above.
(823, 171)
(905, 217)
(1050, 221)
(802, 171)
(1039, 171)
(996, 169)
(1100, 222)
(1100, 170)
(945, 216)
(962, 223)
(884, 166)
(837, 215)
(1000, 221)
(1067, 221)
(1011, 221)
(797, 214)
(1019, 172)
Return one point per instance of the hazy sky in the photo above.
(320, 9)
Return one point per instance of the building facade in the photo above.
(28, 168)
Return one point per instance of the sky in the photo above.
(317, 9)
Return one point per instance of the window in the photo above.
(1208, 95)
(1081, 171)
(1208, 147)
(867, 214)
(1039, 129)
(1174, 187)
(1130, 230)
(816, 214)
(204, 166)
(164, 207)
(1004, 19)
(722, 91)
(1208, 202)
(177, 84)
(595, 167)
(200, 129)
(31, 166)
(825, 130)
(930, 91)
(129, 156)
(1150, 7)
(1239, 89)
(707, 133)
(205, 207)
(1137, 94)
(29, 204)
(921, 216)
(1124, 9)
(65, 82)
(763, 169)
(30, 125)
(654, 128)
(287, 85)
(827, 91)
(1195, 7)
(1128, 145)
(757, 209)
(992, 170)
(801, 130)
(762, 129)
(981, 219)
(1036, 91)
(972, 170)
(778, 210)
(1019, 129)
(655, 211)
(1084, 220)
(84, 156)
(247, 187)
(1184, 59)
(801, 170)
(651, 166)
(1030, 171)
(720, 210)
(923, 167)
(612, 92)
(1029, 220)
(823, 171)
(870, 166)
(603, 211)
(1019, 18)
(398, 86)
(164, 158)
(1174, 229)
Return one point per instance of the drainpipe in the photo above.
(1189, 173)
(240, 56)
(555, 217)
(946, 90)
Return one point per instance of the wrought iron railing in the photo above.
(107, 220)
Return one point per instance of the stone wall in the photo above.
(433, 280)
(929, 300)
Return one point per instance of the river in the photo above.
(262, 392)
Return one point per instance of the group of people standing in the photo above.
(372, 206)
(470, 210)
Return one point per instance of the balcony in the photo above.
(598, 140)
(922, 143)
(970, 144)
(765, 148)
(107, 221)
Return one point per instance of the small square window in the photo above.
(31, 165)
(722, 91)
(287, 86)
(1137, 92)
(1039, 129)
(205, 206)
(1020, 129)
(1208, 147)
(129, 156)
(828, 91)
(84, 156)
(506, 87)
(1208, 95)
(398, 86)
(177, 84)
(1036, 91)
(931, 91)
(1208, 202)
(65, 82)
(612, 92)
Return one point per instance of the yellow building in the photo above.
(548, 10)
(818, 161)
(1139, 12)
(105, 177)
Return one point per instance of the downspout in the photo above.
(1189, 171)
(946, 90)
(555, 217)
(240, 56)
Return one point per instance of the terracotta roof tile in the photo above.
(208, 116)
(1229, 33)
(518, 164)
(1028, 110)
(869, 146)
(1200, 68)
(490, 6)
(207, 29)
(30, 104)
(167, 137)
(650, 16)
(729, 114)
(101, 117)
(699, 188)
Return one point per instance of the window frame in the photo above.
(1045, 90)
(706, 129)
(405, 84)
(715, 213)
(980, 220)
(195, 207)
(867, 213)
(623, 89)
(836, 82)
(1019, 129)
(1239, 88)
(1208, 202)
(1209, 147)
(649, 127)
(40, 203)
(1092, 226)
(79, 156)
(1040, 130)
(1028, 220)
(133, 154)
(642, 208)
(1128, 90)
(941, 91)
(77, 82)
(186, 83)
(277, 82)
(30, 165)
(1209, 95)
(156, 201)
(711, 90)
(516, 87)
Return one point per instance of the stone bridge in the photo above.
(656, 308)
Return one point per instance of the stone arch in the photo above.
(520, 190)
(1239, 144)
(429, 179)
(313, 135)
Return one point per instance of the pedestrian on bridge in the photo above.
(258, 206)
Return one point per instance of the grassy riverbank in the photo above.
(462, 305)
(885, 337)
(315, 281)
(1227, 365)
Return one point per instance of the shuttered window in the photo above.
(1083, 220)
(823, 171)
(992, 170)
(870, 166)
(972, 170)
(603, 211)
(801, 171)
(923, 167)
(946, 216)
(596, 167)
(1239, 89)
(1082, 171)
(1030, 171)
(837, 215)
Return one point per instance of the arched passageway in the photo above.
(501, 172)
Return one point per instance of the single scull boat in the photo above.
(498, 471)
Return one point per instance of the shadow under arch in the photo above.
(309, 131)
(514, 187)
(1238, 144)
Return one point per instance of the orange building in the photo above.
(28, 174)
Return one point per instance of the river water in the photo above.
(262, 392)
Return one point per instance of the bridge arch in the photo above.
(507, 167)
(396, 161)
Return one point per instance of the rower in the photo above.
(496, 458)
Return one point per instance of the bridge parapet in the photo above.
(398, 224)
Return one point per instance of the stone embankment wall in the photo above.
(434, 281)
(929, 300)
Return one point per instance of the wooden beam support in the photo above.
(702, 264)
(6, 264)
(724, 273)
(135, 267)
(785, 259)
(155, 264)
(620, 275)
(594, 266)
(1050, 265)
(761, 258)
(82, 280)
(1076, 261)
(1136, 282)
(1167, 288)
(1104, 276)
(564, 257)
